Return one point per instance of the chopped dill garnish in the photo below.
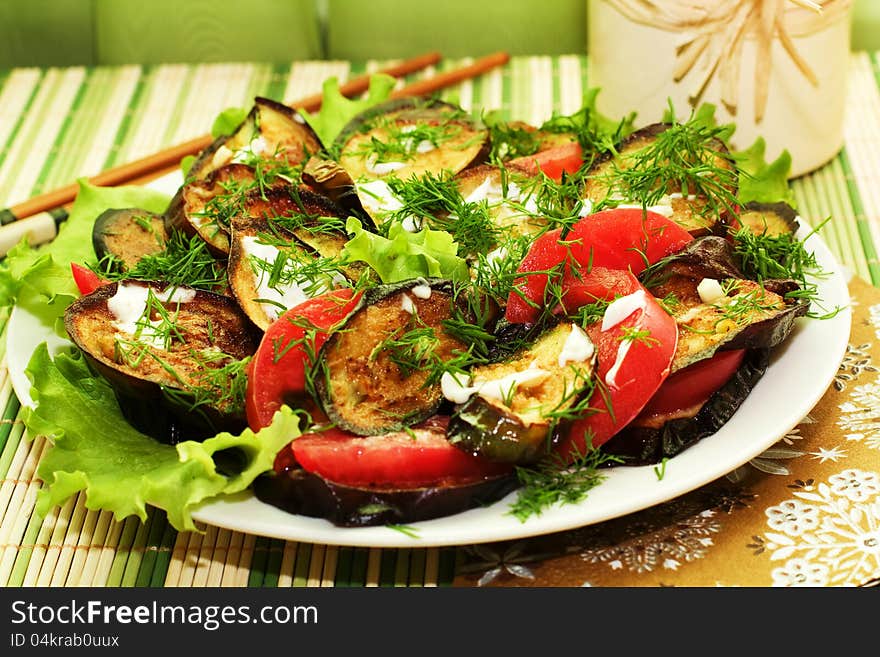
(184, 261)
(687, 158)
(553, 481)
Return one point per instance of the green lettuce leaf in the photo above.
(762, 181)
(121, 470)
(227, 121)
(404, 255)
(337, 110)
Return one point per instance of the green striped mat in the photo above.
(59, 124)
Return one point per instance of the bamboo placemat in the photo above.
(59, 124)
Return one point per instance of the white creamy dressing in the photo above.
(129, 307)
(288, 295)
(424, 146)
(422, 290)
(577, 347)
(377, 197)
(458, 391)
(224, 155)
(622, 307)
(664, 206)
(407, 304)
(586, 208)
(493, 194)
(382, 168)
(710, 290)
(617, 311)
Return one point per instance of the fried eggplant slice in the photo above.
(679, 170)
(125, 235)
(170, 354)
(273, 140)
(514, 407)
(377, 373)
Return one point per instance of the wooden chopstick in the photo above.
(170, 157)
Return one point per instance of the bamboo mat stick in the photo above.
(170, 157)
(88, 536)
(105, 561)
(59, 522)
(249, 542)
(232, 571)
(288, 564)
(374, 567)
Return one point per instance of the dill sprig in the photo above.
(435, 200)
(687, 158)
(185, 261)
(784, 256)
(553, 481)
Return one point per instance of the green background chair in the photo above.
(96, 32)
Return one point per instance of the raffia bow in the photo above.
(715, 30)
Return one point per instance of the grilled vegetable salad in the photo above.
(398, 310)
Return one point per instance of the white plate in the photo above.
(800, 372)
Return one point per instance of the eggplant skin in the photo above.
(644, 445)
(303, 493)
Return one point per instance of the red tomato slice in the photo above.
(629, 370)
(626, 239)
(553, 162)
(580, 288)
(277, 370)
(694, 384)
(86, 280)
(524, 304)
(399, 460)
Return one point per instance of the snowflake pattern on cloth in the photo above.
(828, 535)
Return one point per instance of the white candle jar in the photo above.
(775, 68)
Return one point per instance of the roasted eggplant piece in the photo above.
(312, 218)
(296, 491)
(410, 137)
(272, 135)
(270, 270)
(649, 439)
(375, 372)
(125, 235)
(514, 139)
(205, 207)
(270, 131)
(508, 195)
(170, 354)
(328, 178)
(716, 307)
(771, 219)
(634, 174)
(516, 405)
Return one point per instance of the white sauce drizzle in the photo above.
(710, 290)
(287, 295)
(577, 348)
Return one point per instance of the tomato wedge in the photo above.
(621, 238)
(553, 162)
(400, 460)
(86, 280)
(635, 345)
(694, 384)
(277, 370)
